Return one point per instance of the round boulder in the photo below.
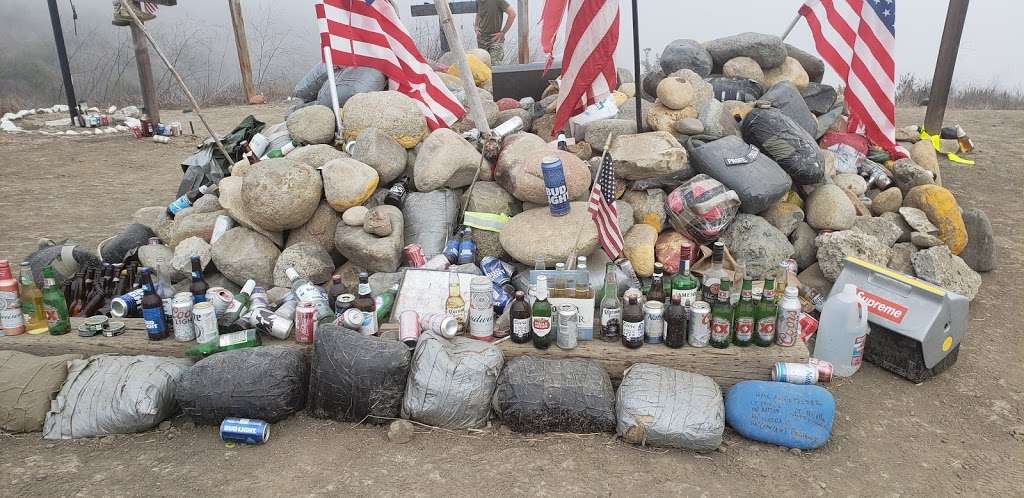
(828, 208)
(445, 160)
(536, 234)
(675, 93)
(638, 247)
(316, 155)
(942, 210)
(348, 183)
(241, 254)
(790, 70)
(318, 230)
(380, 152)
(314, 124)
(518, 170)
(394, 114)
(281, 194)
(743, 67)
(686, 54)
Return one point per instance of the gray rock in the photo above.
(940, 267)
(241, 254)
(401, 431)
(206, 204)
(851, 182)
(348, 183)
(813, 277)
(712, 119)
(217, 279)
(648, 155)
(154, 217)
(767, 50)
(489, 197)
(319, 229)
(981, 251)
(380, 152)
(381, 282)
(811, 63)
(309, 259)
(316, 155)
(535, 233)
(355, 216)
(598, 131)
(377, 223)
(828, 208)
(196, 225)
(882, 229)
(184, 213)
(907, 175)
(349, 274)
(689, 126)
(488, 244)
(623, 75)
(650, 83)
(887, 201)
(394, 114)
(804, 251)
(157, 256)
(918, 220)
(834, 247)
(373, 253)
(280, 194)
(231, 199)
(785, 216)
(445, 160)
(897, 219)
(756, 243)
(702, 90)
(181, 262)
(900, 259)
(313, 124)
(648, 206)
(819, 98)
(925, 240)
(277, 295)
(686, 54)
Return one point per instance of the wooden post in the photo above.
(242, 45)
(476, 109)
(524, 30)
(145, 74)
(944, 64)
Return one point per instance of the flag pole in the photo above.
(476, 109)
(636, 70)
(792, 25)
(334, 89)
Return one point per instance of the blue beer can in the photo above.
(244, 430)
(452, 249)
(554, 185)
(467, 248)
(495, 269)
(501, 298)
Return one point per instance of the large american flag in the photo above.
(603, 210)
(858, 40)
(369, 33)
(588, 67)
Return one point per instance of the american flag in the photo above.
(369, 33)
(603, 210)
(588, 68)
(858, 39)
(149, 7)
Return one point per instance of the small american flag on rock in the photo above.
(603, 210)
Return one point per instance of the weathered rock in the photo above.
(319, 229)
(231, 199)
(907, 175)
(154, 217)
(535, 233)
(348, 183)
(518, 170)
(940, 267)
(804, 251)
(380, 152)
(812, 64)
(638, 247)
(316, 155)
(676, 93)
(882, 229)
(981, 251)
(401, 431)
(181, 262)
(667, 249)
(743, 67)
(647, 155)
(277, 295)
(627, 110)
(349, 274)
(628, 89)
(813, 277)
(218, 279)
(380, 282)
(373, 253)
(625, 216)
(648, 207)
(897, 219)
(887, 201)
(650, 82)
(445, 160)
(852, 183)
(925, 240)
(918, 220)
(662, 117)
(393, 113)
(196, 225)
(942, 210)
(355, 216)
(785, 216)
(241, 254)
(280, 194)
(377, 223)
(623, 75)
(206, 204)
(908, 134)
(923, 154)
(686, 54)
(737, 110)
(757, 243)
(489, 197)
(309, 259)
(689, 126)
(767, 50)
(714, 120)
(900, 258)
(834, 247)
(156, 256)
(790, 70)
(544, 126)
(314, 124)
(828, 208)
(598, 131)
(240, 168)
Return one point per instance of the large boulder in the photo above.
(647, 155)
(194, 225)
(206, 204)
(941, 207)
(445, 160)
(917, 220)
(231, 199)
(980, 253)
(897, 219)
(790, 70)
(758, 244)
(901, 258)
(649, 83)
(907, 175)
(535, 233)
(281, 194)
(241, 254)
(940, 267)
(887, 201)
(676, 93)
(785, 216)
(835, 247)
(318, 230)
(380, 152)
(181, 262)
(373, 253)
(767, 50)
(155, 217)
(638, 248)
(489, 197)
(348, 183)
(648, 206)
(309, 259)
(314, 124)
(518, 170)
(923, 154)
(812, 64)
(686, 54)
(394, 114)
(317, 155)
(829, 208)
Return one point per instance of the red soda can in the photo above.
(414, 255)
(305, 323)
(409, 327)
(808, 326)
(824, 369)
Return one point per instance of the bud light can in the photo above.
(501, 298)
(244, 430)
(451, 249)
(495, 269)
(795, 373)
(554, 185)
(126, 304)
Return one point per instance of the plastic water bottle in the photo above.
(842, 332)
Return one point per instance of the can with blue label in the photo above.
(500, 297)
(496, 270)
(554, 185)
(126, 304)
(467, 248)
(451, 248)
(244, 430)
(795, 373)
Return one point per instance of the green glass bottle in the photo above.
(684, 285)
(721, 318)
(56, 307)
(225, 342)
(541, 324)
(743, 324)
(385, 301)
(764, 334)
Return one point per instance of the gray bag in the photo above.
(350, 81)
(306, 89)
(756, 178)
(451, 382)
(536, 395)
(429, 218)
(782, 139)
(661, 406)
(109, 394)
(785, 97)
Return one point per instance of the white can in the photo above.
(222, 225)
(205, 322)
(181, 317)
(481, 308)
(161, 139)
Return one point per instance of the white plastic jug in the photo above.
(842, 332)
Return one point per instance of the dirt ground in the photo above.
(960, 433)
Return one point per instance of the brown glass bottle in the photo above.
(77, 301)
(632, 324)
(364, 302)
(676, 323)
(94, 301)
(520, 317)
(123, 284)
(198, 287)
(657, 292)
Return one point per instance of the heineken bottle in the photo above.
(743, 324)
(721, 318)
(764, 334)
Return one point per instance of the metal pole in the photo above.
(65, 68)
(792, 25)
(476, 109)
(329, 60)
(636, 69)
(242, 47)
(944, 65)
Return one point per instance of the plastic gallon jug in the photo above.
(842, 332)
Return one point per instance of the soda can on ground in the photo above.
(342, 303)
(824, 369)
(161, 139)
(220, 226)
(305, 323)
(787, 327)
(438, 262)
(654, 322)
(568, 326)
(481, 308)
(439, 323)
(204, 319)
(414, 255)
(554, 185)
(126, 304)
(244, 430)
(409, 327)
(795, 373)
(220, 298)
(181, 317)
(700, 324)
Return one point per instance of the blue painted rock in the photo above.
(790, 415)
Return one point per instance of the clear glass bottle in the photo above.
(611, 306)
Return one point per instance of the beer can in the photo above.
(501, 297)
(204, 319)
(181, 317)
(451, 248)
(414, 255)
(568, 323)
(481, 308)
(222, 225)
(795, 373)
(438, 262)
(244, 430)
(700, 324)
(176, 128)
(808, 326)
(351, 318)
(440, 323)
(496, 270)
(220, 298)
(824, 369)
(161, 139)
(409, 327)
(126, 304)
(508, 127)
(342, 303)
(654, 322)
(554, 185)
(271, 323)
(305, 323)
(787, 327)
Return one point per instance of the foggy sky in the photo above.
(985, 53)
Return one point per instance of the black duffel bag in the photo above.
(741, 89)
(756, 178)
(782, 139)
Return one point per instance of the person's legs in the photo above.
(497, 51)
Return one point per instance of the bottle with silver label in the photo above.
(307, 291)
(568, 323)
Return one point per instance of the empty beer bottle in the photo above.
(32, 303)
(57, 317)
(397, 192)
(365, 303)
(520, 317)
(611, 306)
(676, 323)
(743, 324)
(455, 305)
(152, 308)
(764, 334)
(188, 198)
(541, 322)
(657, 292)
(721, 318)
(78, 287)
(715, 274)
(198, 287)
(632, 324)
